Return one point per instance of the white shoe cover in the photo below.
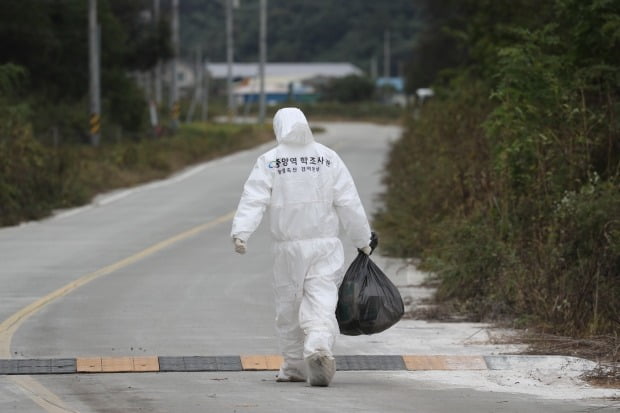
(321, 368)
(290, 373)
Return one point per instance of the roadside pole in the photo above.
(158, 92)
(205, 93)
(174, 86)
(229, 59)
(94, 62)
(197, 97)
(263, 59)
(153, 118)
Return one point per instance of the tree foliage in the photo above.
(300, 30)
(348, 89)
(508, 184)
(48, 40)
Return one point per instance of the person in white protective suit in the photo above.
(308, 191)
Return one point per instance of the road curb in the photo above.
(152, 364)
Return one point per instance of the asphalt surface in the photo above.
(157, 276)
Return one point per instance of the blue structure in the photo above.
(398, 83)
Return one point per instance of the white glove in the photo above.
(240, 246)
(366, 250)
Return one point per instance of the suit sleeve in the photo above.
(255, 198)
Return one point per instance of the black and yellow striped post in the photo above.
(95, 127)
(94, 63)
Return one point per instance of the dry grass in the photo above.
(604, 350)
(443, 312)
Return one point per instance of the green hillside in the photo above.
(301, 30)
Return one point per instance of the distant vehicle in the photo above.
(423, 94)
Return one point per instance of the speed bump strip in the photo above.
(146, 364)
(200, 363)
(370, 363)
(89, 365)
(241, 363)
(260, 362)
(445, 362)
(116, 364)
(37, 366)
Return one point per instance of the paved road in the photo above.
(156, 275)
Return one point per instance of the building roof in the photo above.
(285, 70)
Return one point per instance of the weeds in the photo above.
(36, 179)
(508, 187)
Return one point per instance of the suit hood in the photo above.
(290, 126)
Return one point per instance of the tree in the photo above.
(301, 30)
(48, 39)
(348, 89)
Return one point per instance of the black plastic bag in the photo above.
(368, 302)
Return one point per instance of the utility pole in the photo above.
(205, 93)
(386, 54)
(198, 70)
(158, 93)
(174, 86)
(263, 59)
(94, 62)
(229, 58)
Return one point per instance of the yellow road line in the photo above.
(8, 327)
(41, 395)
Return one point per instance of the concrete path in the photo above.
(146, 277)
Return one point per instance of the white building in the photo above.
(186, 76)
(282, 80)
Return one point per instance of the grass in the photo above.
(36, 179)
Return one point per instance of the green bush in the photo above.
(348, 89)
(363, 111)
(36, 179)
(582, 292)
(61, 122)
(438, 169)
(508, 185)
(27, 188)
(124, 103)
(369, 111)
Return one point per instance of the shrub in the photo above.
(513, 197)
(36, 179)
(27, 188)
(348, 89)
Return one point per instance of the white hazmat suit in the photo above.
(308, 191)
